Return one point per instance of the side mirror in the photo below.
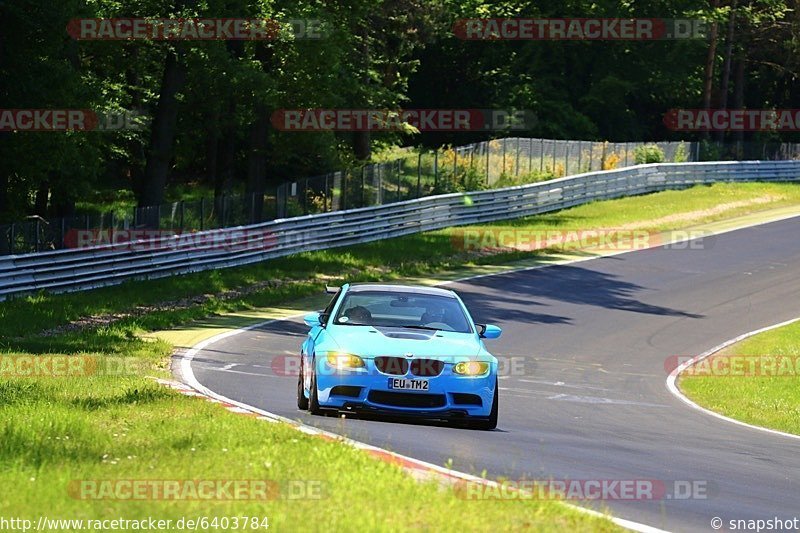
(488, 331)
(312, 320)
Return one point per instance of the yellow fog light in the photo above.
(344, 360)
(471, 368)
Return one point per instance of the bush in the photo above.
(680, 154)
(648, 153)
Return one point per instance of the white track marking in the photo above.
(673, 387)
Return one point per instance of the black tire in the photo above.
(313, 401)
(491, 422)
(302, 401)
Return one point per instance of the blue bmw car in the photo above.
(399, 350)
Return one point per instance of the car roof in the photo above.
(412, 289)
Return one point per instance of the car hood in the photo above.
(369, 342)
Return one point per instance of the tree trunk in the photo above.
(162, 135)
(726, 67)
(257, 164)
(709, 71)
(361, 145)
(42, 199)
(738, 97)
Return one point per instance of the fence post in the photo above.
(419, 175)
(363, 184)
(325, 198)
(566, 159)
(541, 156)
(516, 165)
(12, 238)
(343, 192)
(36, 241)
(202, 211)
(435, 169)
(488, 149)
(455, 165)
(504, 156)
(626, 153)
(530, 155)
(399, 178)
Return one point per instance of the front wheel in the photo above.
(302, 401)
(313, 400)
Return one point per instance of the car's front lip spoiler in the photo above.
(447, 414)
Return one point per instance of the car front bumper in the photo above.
(366, 390)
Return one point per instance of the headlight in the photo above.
(344, 360)
(471, 368)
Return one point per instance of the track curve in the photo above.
(590, 402)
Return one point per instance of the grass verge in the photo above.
(58, 429)
(769, 397)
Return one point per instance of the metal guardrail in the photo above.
(87, 268)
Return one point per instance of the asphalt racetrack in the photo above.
(587, 398)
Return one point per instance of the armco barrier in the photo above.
(86, 268)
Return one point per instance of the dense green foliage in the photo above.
(210, 102)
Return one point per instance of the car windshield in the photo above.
(402, 309)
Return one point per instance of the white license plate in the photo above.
(408, 384)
